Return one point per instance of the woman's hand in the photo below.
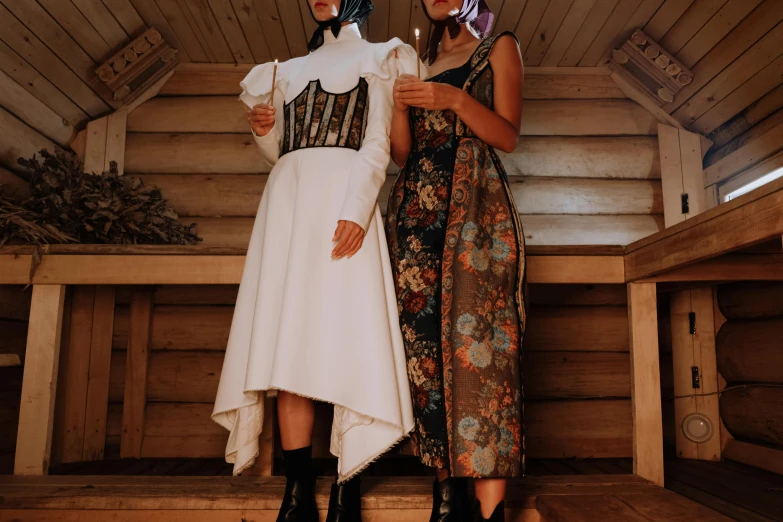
(404, 79)
(261, 119)
(349, 237)
(427, 95)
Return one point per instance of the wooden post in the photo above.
(36, 415)
(140, 326)
(98, 378)
(645, 382)
(693, 346)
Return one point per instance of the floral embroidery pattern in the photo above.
(458, 256)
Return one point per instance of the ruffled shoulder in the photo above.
(257, 85)
(390, 59)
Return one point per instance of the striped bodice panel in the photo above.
(317, 118)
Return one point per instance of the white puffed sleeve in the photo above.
(256, 89)
(384, 64)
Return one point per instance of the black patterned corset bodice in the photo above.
(317, 118)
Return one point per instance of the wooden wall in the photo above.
(14, 311)
(750, 352)
(586, 170)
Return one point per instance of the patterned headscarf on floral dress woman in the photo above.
(475, 13)
(350, 11)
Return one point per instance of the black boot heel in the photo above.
(499, 515)
(449, 500)
(345, 502)
(299, 501)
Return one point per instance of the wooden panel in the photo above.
(192, 327)
(509, 16)
(104, 23)
(20, 141)
(588, 230)
(752, 134)
(229, 25)
(749, 351)
(576, 295)
(126, 15)
(198, 153)
(574, 375)
(752, 300)
(566, 33)
(762, 457)
(577, 329)
(751, 62)
(737, 42)
(729, 267)
(547, 28)
(251, 27)
(756, 148)
(688, 25)
(587, 32)
(98, 376)
(597, 52)
(207, 25)
(14, 302)
(671, 174)
(36, 414)
(95, 146)
(178, 16)
(753, 414)
(16, 269)
(294, 29)
(692, 172)
(645, 382)
(133, 412)
(25, 106)
(666, 17)
(76, 373)
(756, 112)
(196, 295)
(575, 269)
(153, 17)
(272, 29)
(531, 16)
(581, 429)
(116, 124)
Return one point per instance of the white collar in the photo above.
(347, 33)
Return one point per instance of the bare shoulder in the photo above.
(506, 53)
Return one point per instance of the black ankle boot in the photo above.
(499, 515)
(449, 500)
(345, 502)
(299, 499)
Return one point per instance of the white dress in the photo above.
(305, 323)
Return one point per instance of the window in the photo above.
(763, 172)
(763, 180)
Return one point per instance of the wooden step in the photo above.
(213, 499)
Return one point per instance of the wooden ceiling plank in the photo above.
(639, 18)
(46, 28)
(534, 10)
(665, 18)
(597, 52)
(234, 35)
(749, 92)
(80, 29)
(729, 16)
(254, 33)
(419, 21)
(19, 141)
(310, 25)
(269, 18)
(509, 16)
(178, 16)
(567, 32)
(210, 29)
(753, 114)
(554, 16)
(744, 36)
(154, 17)
(126, 15)
(293, 27)
(746, 138)
(37, 85)
(587, 33)
(33, 112)
(103, 22)
(744, 67)
(29, 47)
(379, 21)
(697, 15)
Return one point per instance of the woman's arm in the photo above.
(498, 128)
(401, 139)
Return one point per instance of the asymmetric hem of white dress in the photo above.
(305, 323)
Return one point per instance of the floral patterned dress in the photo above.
(458, 255)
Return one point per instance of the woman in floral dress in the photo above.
(458, 256)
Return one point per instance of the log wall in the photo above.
(14, 311)
(750, 353)
(586, 170)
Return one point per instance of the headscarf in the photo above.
(350, 11)
(475, 13)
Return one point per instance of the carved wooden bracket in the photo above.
(649, 67)
(136, 67)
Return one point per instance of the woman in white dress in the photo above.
(316, 315)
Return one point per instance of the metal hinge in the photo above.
(692, 321)
(695, 382)
(685, 204)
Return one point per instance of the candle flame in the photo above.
(275, 61)
(417, 33)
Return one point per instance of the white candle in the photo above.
(418, 56)
(274, 79)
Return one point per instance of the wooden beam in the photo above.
(15, 269)
(36, 415)
(136, 370)
(115, 141)
(9, 360)
(726, 268)
(645, 382)
(770, 459)
(671, 174)
(758, 170)
(746, 156)
(575, 269)
(645, 101)
(95, 146)
(98, 375)
(750, 219)
(695, 349)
